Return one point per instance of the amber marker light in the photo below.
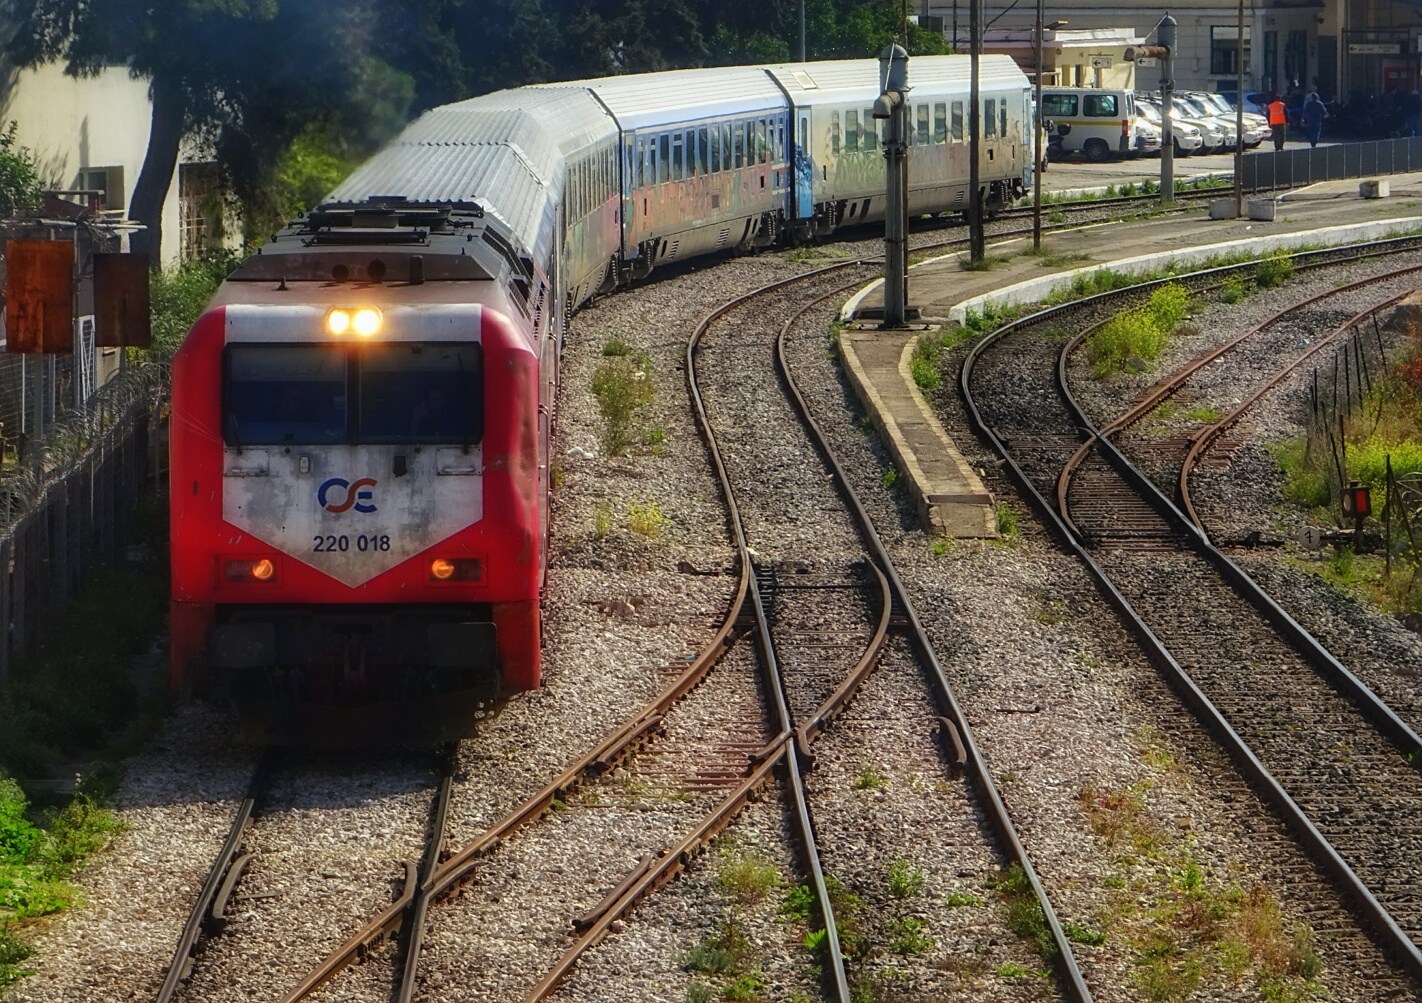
(263, 569)
(441, 570)
(338, 322)
(366, 322)
(456, 569)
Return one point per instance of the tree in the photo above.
(19, 178)
(243, 67)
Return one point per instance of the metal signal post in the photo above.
(892, 106)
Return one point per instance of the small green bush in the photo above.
(1273, 271)
(905, 880)
(1233, 289)
(748, 878)
(623, 392)
(1131, 338)
(925, 374)
(616, 348)
(1169, 305)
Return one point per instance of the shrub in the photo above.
(1130, 338)
(19, 177)
(1169, 305)
(623, 394)
(178, 296)
(925, 373)
(748, 878)
(1273, 271)
(905, 880)
(646, 520)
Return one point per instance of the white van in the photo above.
(1102, 122)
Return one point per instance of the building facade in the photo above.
(90, 135)
(1344, 48)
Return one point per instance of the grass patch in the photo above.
(905, 880)
(1273, 271)
(1006, 520)
(38, 854)
(1025, 917)
(957, 900)
(748, 878)
(646, 520)
(869, 778)
(616, 348)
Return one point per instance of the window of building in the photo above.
(1224, 50)
(106, 180)
(199, 208)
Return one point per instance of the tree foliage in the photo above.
(19, 178)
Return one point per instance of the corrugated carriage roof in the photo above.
(504, 149)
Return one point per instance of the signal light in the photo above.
(456, 569)
(338, 322)
(262, 569)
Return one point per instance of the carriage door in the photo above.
(804, 170)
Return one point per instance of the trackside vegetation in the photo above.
(1134, 338)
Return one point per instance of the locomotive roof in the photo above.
(389, 239)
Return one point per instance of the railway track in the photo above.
(1332, 759)
(278, 849)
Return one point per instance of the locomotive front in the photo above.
(357, 481)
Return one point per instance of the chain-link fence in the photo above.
(74, 458)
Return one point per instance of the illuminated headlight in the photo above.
(262, 569)
(365, 322)
(456, 569)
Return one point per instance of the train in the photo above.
(361, 419)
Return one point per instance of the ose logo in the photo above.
(358, 495)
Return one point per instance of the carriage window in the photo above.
(663, 158)
(714, 153)
(834, 132)
(1099, 105)
(727, 157)
(419, 393)
(678, 163)
(940, 123)
(1002, 117)
(703, 151)
(869, 139)
(923, 135)
(738, 141)
(851, 132)
(990, 117)
(780, 141)
(762, 143)
(957, 107)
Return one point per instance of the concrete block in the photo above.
(1378, 189)
(1262, 209)
(1222, 209)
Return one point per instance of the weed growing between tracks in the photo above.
(1186, 928)
(726, 955)
(625, 393)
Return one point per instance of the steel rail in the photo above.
(959, 734)
(1334, 672)
(205, 916)
(434, 848)
(1177, 379)
(1159, 655)
(1203, 439)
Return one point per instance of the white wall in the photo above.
(69, 124)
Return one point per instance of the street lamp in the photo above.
(1037, 134)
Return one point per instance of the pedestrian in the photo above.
(1313, 115)
(1278, 120)
(1412, 108)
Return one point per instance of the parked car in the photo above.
(1188, 138)
(1212, 126)
(1256, 127)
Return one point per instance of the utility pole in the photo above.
(977, 242)
(1037, 142)
(803, 57)
(1239, 120)
(892, 105)
(1165, 52)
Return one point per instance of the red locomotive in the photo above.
(358, 476)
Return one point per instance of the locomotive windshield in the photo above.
(399, 392)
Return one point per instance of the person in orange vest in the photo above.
(1278, 120)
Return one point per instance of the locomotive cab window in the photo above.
(419, 393)
(399, 392)
(284, 393)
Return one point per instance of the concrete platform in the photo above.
(950, 497)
